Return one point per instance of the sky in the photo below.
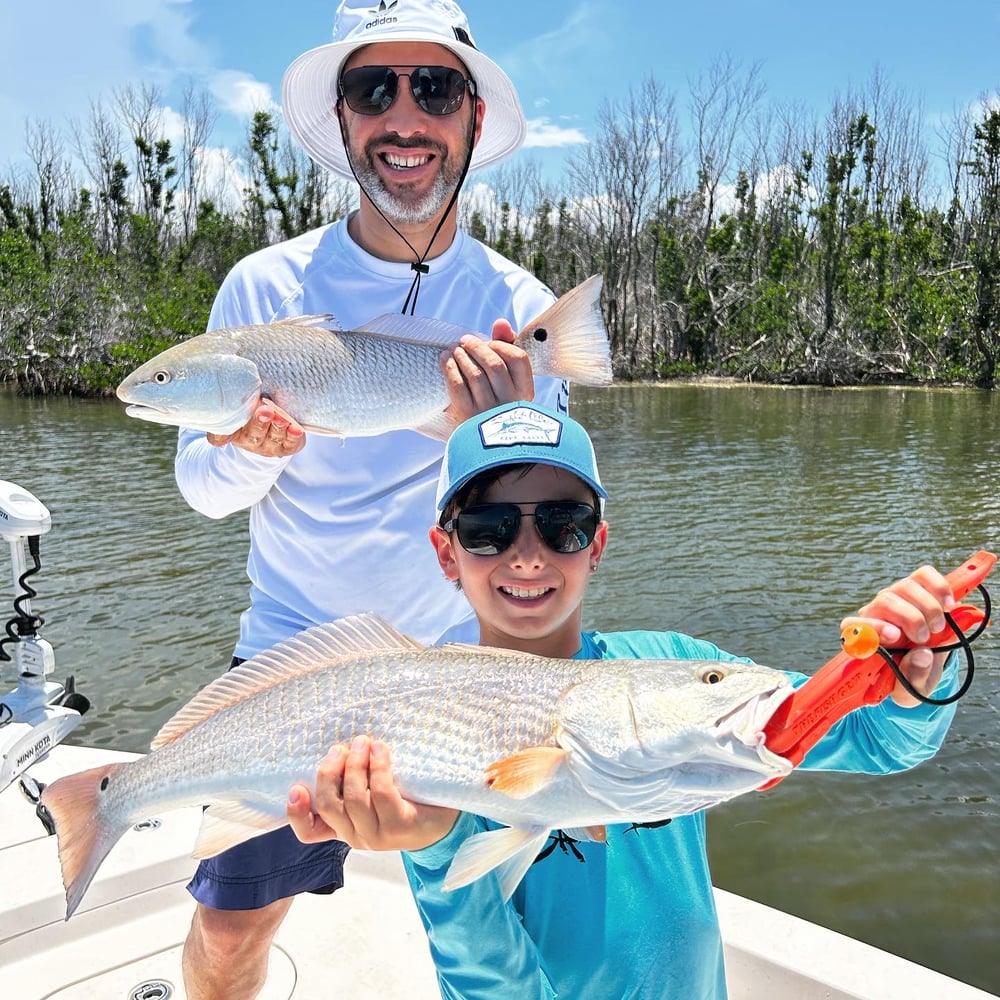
(568, 58)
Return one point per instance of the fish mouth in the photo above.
(743, 729)
(227, 424)
(746, 722)
(156, 414)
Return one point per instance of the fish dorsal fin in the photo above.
(468, 649)
(325, 320)
(494, 652)
(419, 330)
(313, 649)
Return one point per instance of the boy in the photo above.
(521, 530)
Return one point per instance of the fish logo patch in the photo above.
(520, 426)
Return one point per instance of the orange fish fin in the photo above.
(314, 649)
(525, 772)
(326, 431)
(592, 834)
(84, 843)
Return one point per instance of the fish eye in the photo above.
(713, 676)
(104, 783)
(161, 377)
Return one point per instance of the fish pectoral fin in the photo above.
(225, 826)
(525, 772)
(590, 834)
(511, 850)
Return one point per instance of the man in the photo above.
(402, 101)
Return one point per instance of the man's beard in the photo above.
(400, 209)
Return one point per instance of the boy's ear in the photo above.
(445, 551)
(598, 544)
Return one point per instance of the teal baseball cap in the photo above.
(512, 434)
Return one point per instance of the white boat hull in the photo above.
(125, 940)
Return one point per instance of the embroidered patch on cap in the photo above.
(520, 426)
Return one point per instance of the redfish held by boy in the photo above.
(353, 383)
(532, 742)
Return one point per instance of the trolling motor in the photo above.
(39, 712)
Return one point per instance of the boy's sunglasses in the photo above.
(371, 90)
(489, 528)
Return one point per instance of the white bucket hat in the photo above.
(309, 88)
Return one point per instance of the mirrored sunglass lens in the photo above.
(369, 90)
(438, 89)
(488, 530)
(566, 527)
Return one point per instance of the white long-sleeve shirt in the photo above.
(341, 527)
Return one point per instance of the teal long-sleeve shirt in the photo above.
(638, 919)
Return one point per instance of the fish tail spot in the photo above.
(569, 339)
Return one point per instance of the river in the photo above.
(753, 516)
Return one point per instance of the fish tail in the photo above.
(83, 833)
(569, 340)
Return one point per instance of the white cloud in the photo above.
(60, 57)
(542, 132)
(241, 94)
(766, 188)
(222, 177)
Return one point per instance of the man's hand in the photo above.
(270, 431)
(481, 374)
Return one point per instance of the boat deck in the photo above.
(366, 942)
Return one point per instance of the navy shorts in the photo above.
(267, 868)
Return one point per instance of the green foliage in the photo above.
(833, 273)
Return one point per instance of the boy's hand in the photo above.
(481, 374)
(356, 801)
(913, 608)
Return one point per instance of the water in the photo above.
(756, 517)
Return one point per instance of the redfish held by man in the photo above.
(532, 742)
(353, 383)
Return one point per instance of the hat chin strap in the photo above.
(417, 264)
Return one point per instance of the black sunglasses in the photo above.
(489, 528)
(371, 90)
